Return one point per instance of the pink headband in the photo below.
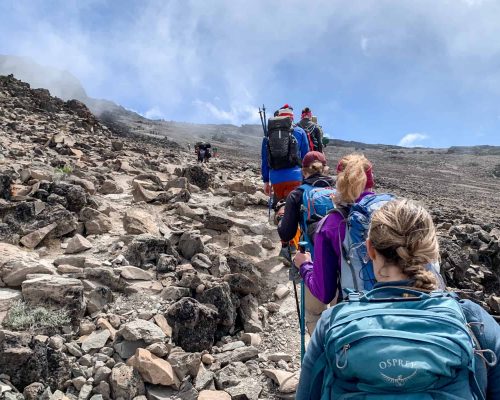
(370, 182)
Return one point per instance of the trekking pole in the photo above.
(265, 119)
(262, 114)
(293, 275)
(302, 249)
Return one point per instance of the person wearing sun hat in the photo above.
(284, 180)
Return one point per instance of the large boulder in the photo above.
(27, 359)
(193, 324)
(198, 176)
(141, 330)
(56, 291)
(138, 221)
(75, 195)
(220, 297)
(126, 383)
(40, 216)
(153, 369)
(242, 284)
(249, 312)
(96, 223)
(98, 298)
(16, 264)
(110, 187)
(190, 244)
(33, 239)
(218, 221)
(77, 244)
(7, 297)
(147, 249)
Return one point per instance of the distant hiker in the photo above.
(304, 208)
(281, 155)
(216, 152)
(312, 129)
(208, 153)
(339, 257)
(189, 147)
(203, 151)
(401, 340)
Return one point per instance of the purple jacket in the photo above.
(321, 276)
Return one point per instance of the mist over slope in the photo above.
(64, 85)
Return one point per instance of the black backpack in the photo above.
(310, 129)
(282, 146)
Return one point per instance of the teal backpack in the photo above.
(381, 345)
(316, 203)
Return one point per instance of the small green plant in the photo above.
(66, 170)
(22, 317)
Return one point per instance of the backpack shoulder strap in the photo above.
(317, 377)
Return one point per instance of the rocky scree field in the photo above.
(128, 271)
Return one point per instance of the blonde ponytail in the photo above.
(351, 178)
(402, 231)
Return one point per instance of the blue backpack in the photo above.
(381, 345)
(356, 269)
(316, 204)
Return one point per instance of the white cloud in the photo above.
(216, 61)
(412, 139)
(154, 113)
(237, 114)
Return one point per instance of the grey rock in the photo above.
(218, 221)
(126, 348)
(242, 284)
(204, 379)
(96, 340)
(198, 176)
(220, 297)
(33, 391)
(110, 187)
(185, 364)
(98, 298)
(126, 383)
(85, 392)
(166, 263)
(77, 244)
(174, 293)
(249, 312)
(74, 349)
(190, 244)
(240, 354)
(193, 324)
(141, 330)
(146, 249)
(56, 291)
(102, 374)
(247, 389)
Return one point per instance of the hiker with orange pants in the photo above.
(283, 149)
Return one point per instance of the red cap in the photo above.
(313, 156)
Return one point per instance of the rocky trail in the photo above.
(127, 271)
(167, 271)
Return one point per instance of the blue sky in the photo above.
(380, 71)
